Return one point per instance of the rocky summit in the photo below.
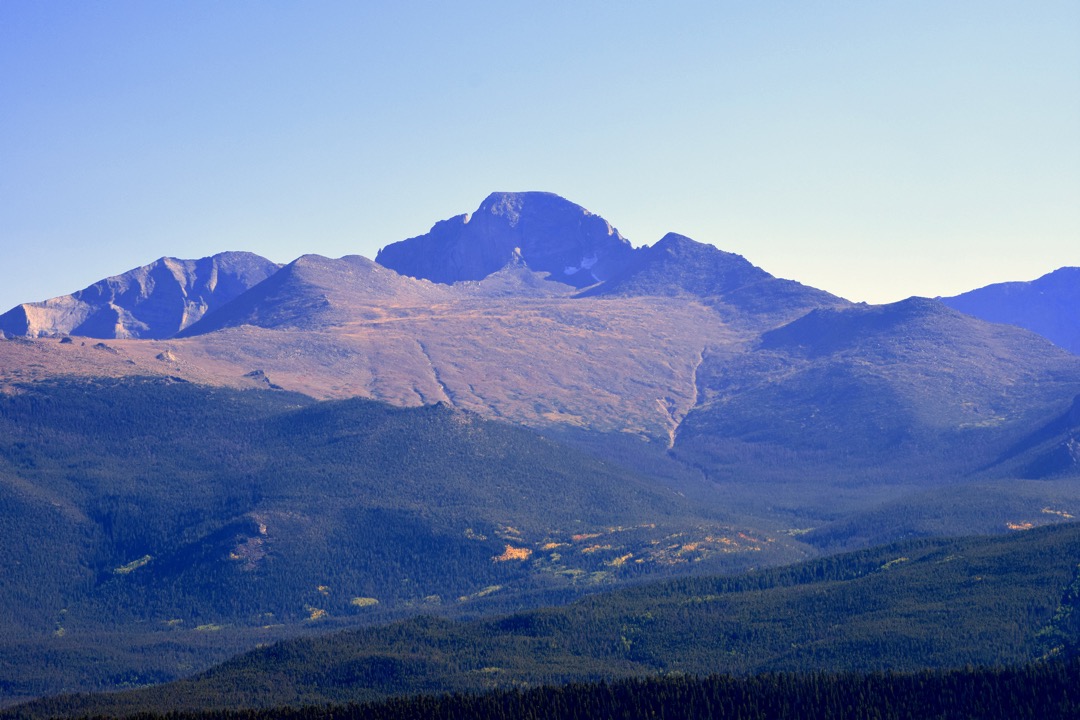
(551, 234)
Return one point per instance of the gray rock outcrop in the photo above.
(154, 301)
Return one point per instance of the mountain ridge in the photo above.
(314, 292)
(637, 352)
(1048, 305)
(152, 301)
(677, 265)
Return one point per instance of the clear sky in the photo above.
(875, 149)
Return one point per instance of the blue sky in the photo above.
(873, 149)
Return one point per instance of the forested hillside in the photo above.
(1049, 691)
(154, 526)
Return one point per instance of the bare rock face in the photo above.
(552, 235)
(154, 301)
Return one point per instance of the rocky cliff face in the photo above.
(553, 236)
(154, 301)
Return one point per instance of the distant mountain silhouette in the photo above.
(154, 301)
(1049, 306)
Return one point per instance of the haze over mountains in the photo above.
(556, 411)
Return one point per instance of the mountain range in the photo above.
(678, 342)
(513, 409)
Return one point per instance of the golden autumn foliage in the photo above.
(513, 553)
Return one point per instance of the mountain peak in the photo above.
(679, 265)
(156, 300)
(511, 206)
(675, 241)
(551, 234)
